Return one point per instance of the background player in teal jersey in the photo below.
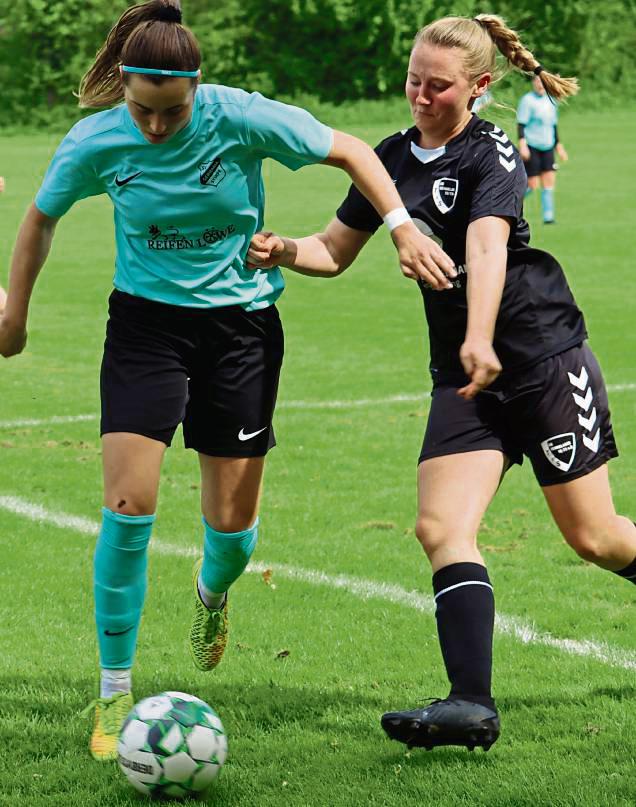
(482, 103)
(538, 139)
(193, 337)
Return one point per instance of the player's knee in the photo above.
(430, 533)
(132, 505)
(590, 543)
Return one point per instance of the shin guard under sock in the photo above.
(225, 556)
(465, 616)
(120, 585)
(547, 204)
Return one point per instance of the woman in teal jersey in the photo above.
(193, 337)
(538, 140)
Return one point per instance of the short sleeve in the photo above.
(288, 134)
(67, 180)
(523, 111)
(358, 213)
(498, 181)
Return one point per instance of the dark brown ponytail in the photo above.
(146, 35)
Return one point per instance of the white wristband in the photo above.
(396, 217)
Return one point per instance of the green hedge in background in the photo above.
(332, 50)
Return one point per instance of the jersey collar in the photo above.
(426, 155)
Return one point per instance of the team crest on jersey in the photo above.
(212, 173)
(560, 450)
(445, 193)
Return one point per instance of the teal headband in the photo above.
(151, 71)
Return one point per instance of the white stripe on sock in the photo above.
(465, 583)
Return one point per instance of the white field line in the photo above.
(335, 404)
(358, 587)
(24, 422)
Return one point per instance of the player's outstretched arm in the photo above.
(325, 254)
(420, 257)
(486, 257)
(30, 253)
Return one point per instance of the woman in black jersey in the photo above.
(512, 374)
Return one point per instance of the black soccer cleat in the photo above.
(444, 722)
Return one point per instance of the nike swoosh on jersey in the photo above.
(242, 436)
(121, 182)
(118, 632)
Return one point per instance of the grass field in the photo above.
(350, 600)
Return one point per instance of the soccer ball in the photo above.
(171, 744)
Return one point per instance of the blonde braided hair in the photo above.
(480, 38)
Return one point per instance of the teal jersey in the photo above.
(186, 209)
(538, 113)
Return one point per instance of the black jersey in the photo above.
(478, 173)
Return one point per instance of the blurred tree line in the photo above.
(333, 50)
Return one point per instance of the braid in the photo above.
(509, 44)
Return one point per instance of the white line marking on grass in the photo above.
(354, 403)
(18, 424)
(358, 587)
(335, 404)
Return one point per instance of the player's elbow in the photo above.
(35, 218)
(340, 267)
(339, 259)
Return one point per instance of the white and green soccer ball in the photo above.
(171, 744)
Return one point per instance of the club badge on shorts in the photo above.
(445, 193)
(560, 450)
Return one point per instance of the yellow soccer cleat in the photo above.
(208, 631)
(110, 714)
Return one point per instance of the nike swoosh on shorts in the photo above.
(243, 437)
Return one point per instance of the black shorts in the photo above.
(215, 370)
(540, 162)
(556, 413)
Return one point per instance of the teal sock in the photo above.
(120, 585)
(528, 192)
(547, 203)
(225, 556)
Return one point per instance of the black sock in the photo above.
(629, 572)
(465, 620)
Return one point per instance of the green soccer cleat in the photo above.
(110, 714)
(208, 632)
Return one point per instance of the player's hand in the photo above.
(524, 153)
(264, 251)
(1, 184)
(421, 258)
(480, 364)
(12, 338)
(563, 155)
